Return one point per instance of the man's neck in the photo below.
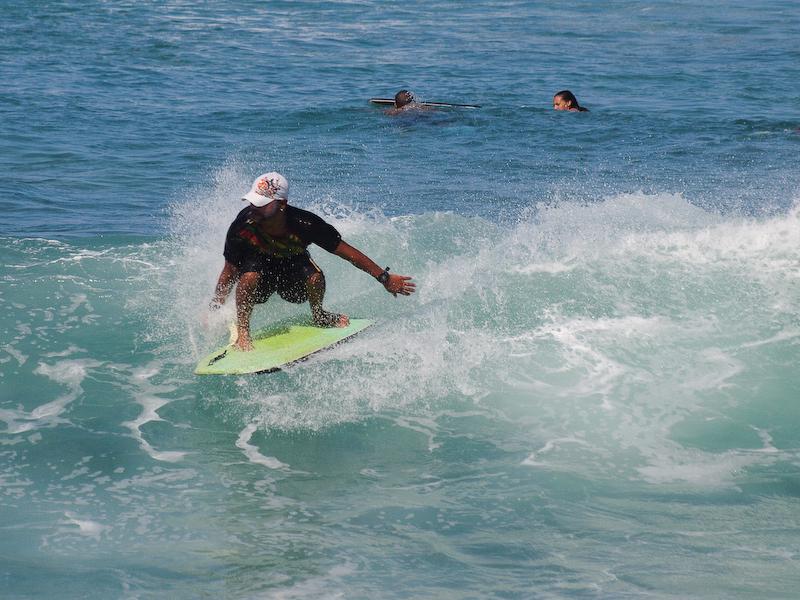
(273, 220)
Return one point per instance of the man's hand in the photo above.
(400, 284)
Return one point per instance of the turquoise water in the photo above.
(594, 393)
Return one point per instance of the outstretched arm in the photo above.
(395, 284)
(227, 278)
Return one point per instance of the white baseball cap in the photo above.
(266, 188)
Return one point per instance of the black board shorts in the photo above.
(287, 277)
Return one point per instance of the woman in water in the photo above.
(566, 100)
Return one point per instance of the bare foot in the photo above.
(323, 318)
(243, 343)
(239, 342)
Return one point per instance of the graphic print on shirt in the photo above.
(292, 245)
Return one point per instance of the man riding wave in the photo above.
(266, 252)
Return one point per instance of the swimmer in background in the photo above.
(566, 100)
(405, 100)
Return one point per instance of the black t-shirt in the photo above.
(250, 248)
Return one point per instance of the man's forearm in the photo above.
(394, 284)
(227, 278)
(358, 259)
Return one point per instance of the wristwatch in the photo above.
(384, 276)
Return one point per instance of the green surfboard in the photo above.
(277, 346)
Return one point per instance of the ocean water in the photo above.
(594, 393)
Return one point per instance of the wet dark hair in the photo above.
(403, 97)
(570, 97)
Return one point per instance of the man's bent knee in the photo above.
(249, 277)
(249, 288)
(316, 279)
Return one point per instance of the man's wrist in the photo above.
(383, 276)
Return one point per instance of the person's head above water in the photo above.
(266, 188)
(406, 102)
(566, 100)
(404, 98)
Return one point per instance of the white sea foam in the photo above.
(252, 452)
(326, 586)
(657, 362)
(69, 351)
(69, 373)
(615, 321)
(146, 395)
(425, 426)
(86, 527)
(535, 459)
(708, 470)
(14, 353)
(150, 406)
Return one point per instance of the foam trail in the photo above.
(252, 453)
(149, 413)
(426, 427)
(86, 527)
(70, 373)
(533, 459)
(150, 405)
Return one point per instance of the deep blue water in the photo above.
(594, 393)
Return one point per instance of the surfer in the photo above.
(403, 101)
(566, 100)
(266, 252)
